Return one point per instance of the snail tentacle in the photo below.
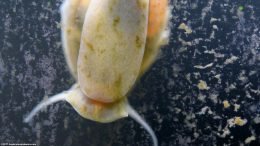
(134, 115)
(45, 103)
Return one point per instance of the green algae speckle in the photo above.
(241, 8)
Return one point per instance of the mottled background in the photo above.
(221, 50)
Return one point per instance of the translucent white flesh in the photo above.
(45, 103)
(133, 114)
(112, 47)
(85, 107)
(93, 111)
(96, 111)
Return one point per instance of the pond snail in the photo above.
(108, 45)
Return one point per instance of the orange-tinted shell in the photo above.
(158, 32)
(157, 13)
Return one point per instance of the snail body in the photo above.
(108, 45)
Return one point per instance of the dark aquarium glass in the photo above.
(204, 88)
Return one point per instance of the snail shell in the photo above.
(108, 45)
(119, 40)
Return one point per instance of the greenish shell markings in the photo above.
(120, 46)
(89, 45)
(138, 42)
(115, 22)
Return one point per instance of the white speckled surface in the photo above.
(221, 49)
